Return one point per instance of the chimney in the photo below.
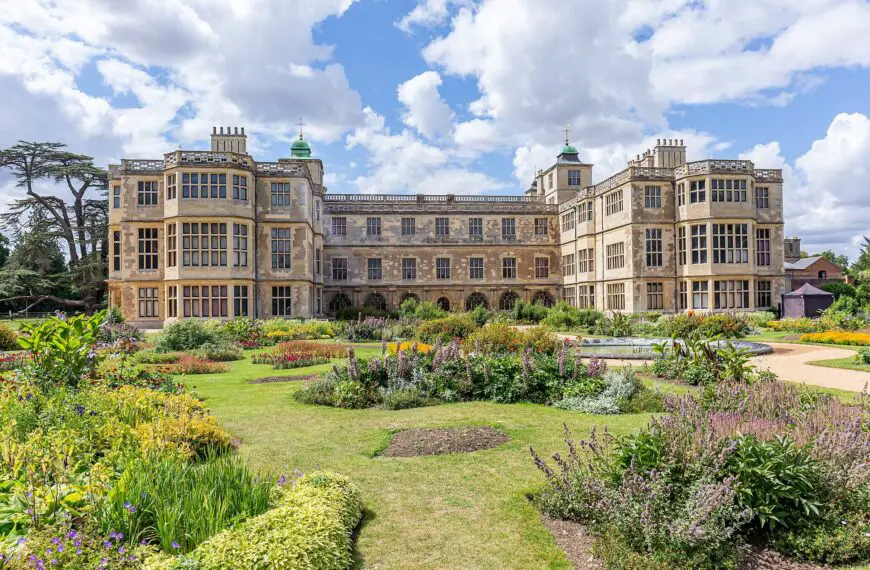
(231, 141)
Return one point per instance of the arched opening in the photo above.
(339, 301)
(407, 296)
(542, 298)
(823, 274)
(444, 303)
(476, 300)
(507, 301)
(376, 301)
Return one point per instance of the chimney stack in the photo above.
(231, 141)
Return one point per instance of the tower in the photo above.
(792, 249)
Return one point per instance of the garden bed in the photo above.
(274, 379)
(440, 441)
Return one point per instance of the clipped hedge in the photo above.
(310, 528)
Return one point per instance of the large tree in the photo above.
(840, 260)
(78, 221)
(863, 261)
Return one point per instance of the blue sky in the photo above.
(459, 96)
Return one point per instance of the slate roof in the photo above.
(803, 263)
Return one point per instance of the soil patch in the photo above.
(416, 442)
(271, 379)
(779, 350)
(575, 541)
(767, 559)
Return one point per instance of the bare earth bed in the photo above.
(417, 442)
(272, 379)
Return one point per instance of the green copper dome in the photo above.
(300, 148)
(569, 149)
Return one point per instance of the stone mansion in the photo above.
(217, 234)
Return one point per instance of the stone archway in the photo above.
(339, 301)
(376, 301)
(476, 300)
(407, 296)
(443, 303)
(507, 301)
(543, 298)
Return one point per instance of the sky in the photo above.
(459, 96)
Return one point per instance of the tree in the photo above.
(841, 261)
(863, 261)
(4, 250)
(80, 224)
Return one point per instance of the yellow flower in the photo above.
(405, 346)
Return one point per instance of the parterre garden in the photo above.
(161, 453)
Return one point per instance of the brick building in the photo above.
(218, 234)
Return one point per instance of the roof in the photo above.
(803, 262)
(807, 290)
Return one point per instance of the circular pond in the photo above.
(629, 348)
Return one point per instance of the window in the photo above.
(317, 257)
(147, 195)
(762, 247)
(240, 245)
(509, 268)
(195, 185)
(240, 188)
(203, 245)
(700, 295)
(205, 301)
(585, 261)
(681, 194)
(508, 228)
(409, 268)
(317, 210)
(823, 274)
(681, 245)
(373, 226)
(616, 296)
(573, 178)
(568, 221)
(318, 301)
(683, 296)
(281, 248)
(116, 196)
(475, 268)
(542, 267)
(442, 268)
(541, 226)
(731, 294)
(727, 190)
(654, 247)
(171, 245)
(148, 302)
(699, 244)
(655, 296)
(281, 302)
(698, 191)
(586, 297)
(442, 226)
(730, 243)
(171, 186)
(615, 255)
(652, 197)
(116, 251)
(374, 267)
(409, 226)
(172, 301)
(613, 203)
(339, 269)
(339, 226)
(762, 198)
(148, 249)
(568, 294)
(550, 180)
(475, 227)
(281, 195)
(763, 294)
(240, 300)
(568, 267)
(584, 214)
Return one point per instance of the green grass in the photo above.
(450, 511)
(844, 363)
(15, 324)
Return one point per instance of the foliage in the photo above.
(8, 339)
(13, 361)
(840, 290)
(62, 349)
(501, 337)
(565, 317)
(423, 310)
(64, 547)
(726, 325)
(218, 352)
(168, 500)
(115, 333)
(357, 314)
(847, 338)
(760, 319)
(368, 329)
(395, 347)
(311, 527)
(620, 387)
(283, 329)
(298, 354)
(405, 398)
(863, 356)
(529, 312)
(141, 377)
(187, 334)
(191, 365)
(152, 357)
(480, 315)
(699, 361)
(241, 330)
(801, 325)
(446, 329)
(615, 324)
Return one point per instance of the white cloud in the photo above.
(429, 13)
(425, 110)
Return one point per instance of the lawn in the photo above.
(845, 363)
(450, 511)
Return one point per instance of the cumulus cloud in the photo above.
(425, 110)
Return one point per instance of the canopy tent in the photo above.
(807, 301)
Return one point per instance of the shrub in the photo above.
(422, 310)
(840, 290)
(726, 325)
(405, 398)
(529, 313)
(501, 337)
(112, 333)
(62, 349)
(446, 329)
(169, 500)
(562, 317)
(13, 361)
(151, 357)
(354, 314)
(8, 339)
(620, 386)
(190, 436)
(283, 329)
(838, 539)
(863, 356)
(311, 527)
(480, 315)
(761, 319)
(371, 328)
(616, 324)
(801, 325)
(184, 335)
(318, 392)
(241, 330)
(848, 338)
(219, 352)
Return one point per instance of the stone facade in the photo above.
(267, 240)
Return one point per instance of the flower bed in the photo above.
(191, 365)
(833, 337)
(299, 354)
(13, 361)
(766, 461)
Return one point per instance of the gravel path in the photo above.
(789, 362)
